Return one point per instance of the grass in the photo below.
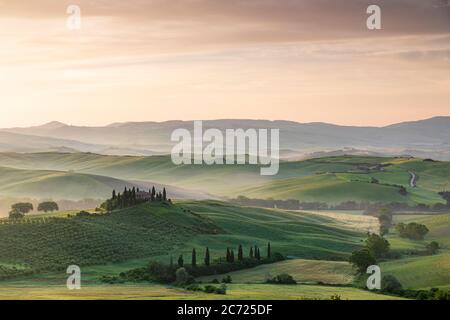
(420, 272)
(303, 271)
(157, 292)
(54, 243)
(291, 233)
(331, 180)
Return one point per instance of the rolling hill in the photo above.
(68, 185)
(330, 180)
(49, 242)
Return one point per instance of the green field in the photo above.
(421, 272)
(49, 243)
(330, 180)
(303, 271)
(18, 291)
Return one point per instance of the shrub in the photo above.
(390, 284)
(283, 278)
(183, 277)
(227, 279)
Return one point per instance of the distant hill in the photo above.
(58, 185)
(427, 138)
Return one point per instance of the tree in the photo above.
(390, 284)
(228, 258)
(269, 253)
(207, 258)
(48, 206)
(194, 258)
(413, 231)
(240, 253)
(164, 195)
(22, 207)
(433, 247)
(362, 259)
(251, 253)
(181, 261)
(377, 246)
(232, 256)
(183, 277)
(114, 194)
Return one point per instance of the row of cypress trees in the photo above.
(254, 253)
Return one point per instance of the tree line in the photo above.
(131, 197)
(19, 210)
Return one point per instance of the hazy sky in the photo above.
(155, 60)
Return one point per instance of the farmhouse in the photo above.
(143, 196)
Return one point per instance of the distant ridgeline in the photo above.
(133, 197)
(293, 204)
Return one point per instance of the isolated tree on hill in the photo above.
(377, 246)
(48, 206)
(362, 259)
(22, 207)
(181, 261)
(232, 256)
(194, 258)
(240, 253)
(164, 194)
(207, 257)
(269, 253)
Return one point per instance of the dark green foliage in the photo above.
(48, 206)
(183, 277)
(362, 259)
(269, 253)
(194, 258)
(252, 255)
(23, 207)
(390, 284)
(377, 246)
(240, 253)
(413, 231)
(180, 261)
(433, 247)
(207, 257)
(283, 278)
(215, 290)
(227, 279)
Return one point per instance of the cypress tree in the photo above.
(251, 253)
(240, 253)
(114, 194)
(232, 256)
(258, 254)
(207, 257)
(228, 254)
(269, 253)
(164, 195)
(194, 258)
(180, 261)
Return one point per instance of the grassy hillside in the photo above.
(44, 243)
(421, 272)
(332, 180)
(295, 234)
(303, 271)
(157, 292)
(49, 242)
